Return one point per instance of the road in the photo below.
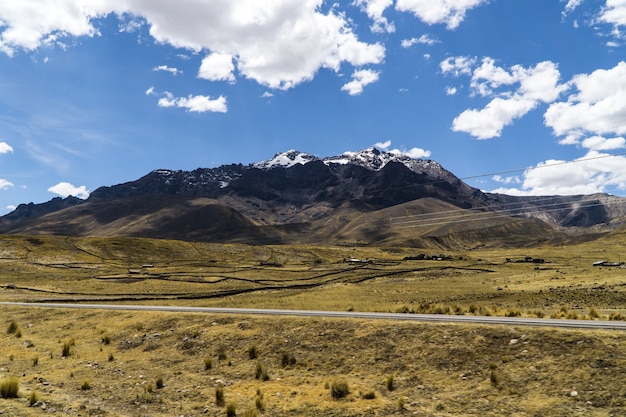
(440, 318)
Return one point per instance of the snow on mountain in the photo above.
(371, 158)
(286, 160)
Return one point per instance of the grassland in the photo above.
(116, 361)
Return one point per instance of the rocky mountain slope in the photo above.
(366, 197)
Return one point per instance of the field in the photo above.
(147, 363)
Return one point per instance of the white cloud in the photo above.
(614, 13)
(598, 108)
(360, 78)
(29, 24)
(150, 91)
(415, 153)
(489, 121)
(5, 148)
(524, 89)
(570, 6)
(450, 91)
(11, 207)
(277, 43)
(459, 65)
(424, 39)
(173, 71)
(599, 143)
(195, 104)
(4, 184)
(217, 67)
(593, 173)
(449, 12)
(65, 189)
(383, 145)
(507, 180)
(267, 94)
(375, 10)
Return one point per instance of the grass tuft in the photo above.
(389, 383)
(339, 389)
(219, 396)
(33, 398)
(253, 352)
(261, 372)
(9, 388)
(12, 327)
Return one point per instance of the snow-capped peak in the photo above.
(370, 158)
(286, 160)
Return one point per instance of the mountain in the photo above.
(365, 197)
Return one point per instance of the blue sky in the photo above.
(99, 92)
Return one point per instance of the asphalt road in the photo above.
(508, 321)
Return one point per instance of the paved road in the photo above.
(510, 321)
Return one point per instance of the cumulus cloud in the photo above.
(593, 173)
(415, 153)
(360, 78)
(5, 148)
(614, 12)
(4, 184)
(375, 10)
(449, 12)
(195, 104)
(458, 65)
(383, 145)
(173, 71)
(598, 107)
(277, 43)
(217, 67)
(65, 189)
(599, 143)
(514, 92)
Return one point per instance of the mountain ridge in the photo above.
(297, 197)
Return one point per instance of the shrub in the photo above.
(339, 389)
(159, 382)
(617, 316)
(258, 401)
(111, 357)
(35, 360)
(252, 352)
(287, 359)
(106, 339)
(219, 396)
(12, 327)
(495, 380)
(369, 395)
(231, 410)
(389, 383)
(208, 363)
(67, 348)
(9, 388)
(261, 372)
(86, 385)
(221, 352)
(593, 313)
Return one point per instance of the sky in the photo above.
(524, 97)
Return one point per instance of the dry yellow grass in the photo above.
(116, 360)
(442, 370)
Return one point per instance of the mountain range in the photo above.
(370, 197)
